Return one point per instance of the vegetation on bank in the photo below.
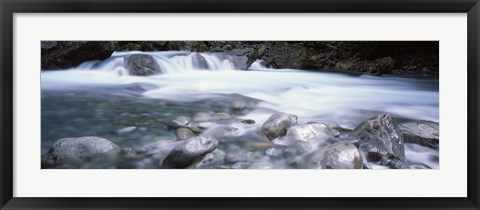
(375, 57)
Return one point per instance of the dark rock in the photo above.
(74, 152)
(48, 44)
(278, 124)
(69, 54)
(425, 133)
(380, 136)
(199, 62)
(189, 151)
(142, 65)
(247, 121)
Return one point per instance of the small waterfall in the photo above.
(167, 62)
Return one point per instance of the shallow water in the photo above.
(101, 99)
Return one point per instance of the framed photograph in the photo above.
(239, 104)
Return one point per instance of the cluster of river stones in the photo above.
(221, 141)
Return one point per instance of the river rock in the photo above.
(180, 121)
(208, 161)
(202, 116)
(189, 151)
(74, 152)
(221, 116)
(308, 131)
(380, 135)
(397, 164)
(126, 130)
(342, 155)
(184, 133)
(142, 65)
(199, 62)
(425, 133)
(278, 124)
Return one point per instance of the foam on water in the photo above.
(313, 96)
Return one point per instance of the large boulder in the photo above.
(189, 151)
(380, 138)
(142, 65)
(425, 133)
(69, 54)
(277, 125)
(75, 152)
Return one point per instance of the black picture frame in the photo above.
(10, 7)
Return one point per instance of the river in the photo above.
(100, 98)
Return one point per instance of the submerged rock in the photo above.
(74, 152)
(202, 116)
(184, 133)
(380, 137)
(142, 65)
(424, 133)
(342, 155)
(278, 124)
(189, 151)
(126, 130)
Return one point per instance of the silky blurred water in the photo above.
(99, 98)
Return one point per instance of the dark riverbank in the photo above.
(374, 57)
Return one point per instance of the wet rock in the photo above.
(278, 124)
(247, 121)
(201, 126)
(201, 116)
(158, 150)
(382, 135)
(142, 65)
(180, 121)
(126, 130)
(221, 116)
(128, 153)
(184, 133)
(407, 165)
(74, 152)
(199, 62)
(208, 161)
(189, 151)
(425, 133)
(274, 152)
(223, 131)
(308, 131)
(238, 105)
(240, 156)
(342, 155)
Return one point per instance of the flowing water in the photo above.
(100, 98)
